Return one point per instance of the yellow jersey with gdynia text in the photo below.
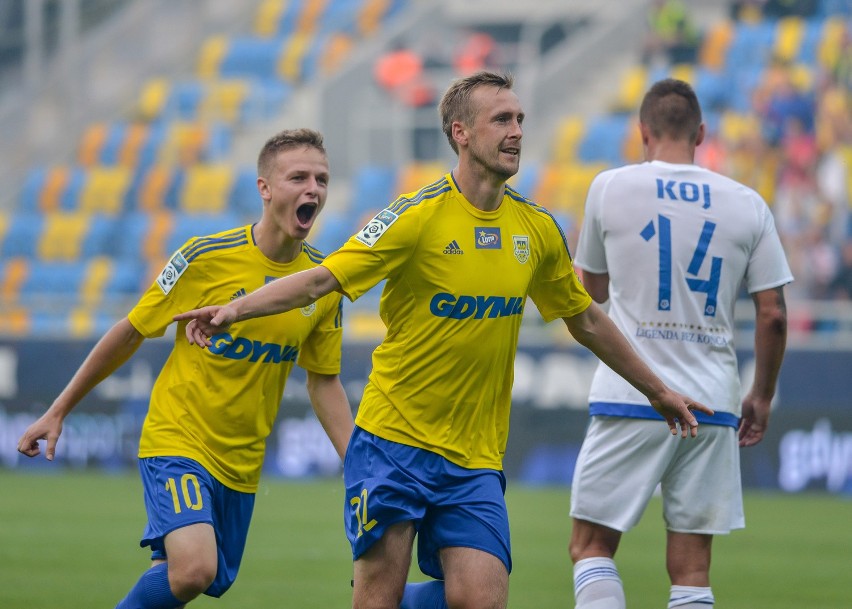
(457, 282)
(217, 405)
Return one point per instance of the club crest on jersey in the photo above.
(522, 247)
(171, 273)
(487, 238)
(309, 310)
(376, 227)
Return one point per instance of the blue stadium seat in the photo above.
(129, 277)
(22, 235)
(251, 56)
(102, 236)
(244, 197)
(604, 140)
(132, 228)
(373, 189)
(333, 231)
(54, 280)
(31, 191)
(184, 100)
(111, 148)
(198, 225)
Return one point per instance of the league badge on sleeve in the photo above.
(171, 273)
(376, 227)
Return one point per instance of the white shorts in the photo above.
(623, 460)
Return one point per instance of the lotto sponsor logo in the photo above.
(255, 351)
(487, 238)
(476, 307)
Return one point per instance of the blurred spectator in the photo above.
(841, 284)
(400, 73)
(671, 33)
(776, 9)
(478, 51)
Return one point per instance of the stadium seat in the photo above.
(373, 188)
(186, 226)
(105, 189)
(62, 235)
(244, 197)
(28, 201)
(22, 235)
(604, 139)
(207, 189)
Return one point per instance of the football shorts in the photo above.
(622, 462)
(450, 506)
(180, 492)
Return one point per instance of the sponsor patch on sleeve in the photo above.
(171, 273)
(376, 227)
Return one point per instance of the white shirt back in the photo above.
(678, 242)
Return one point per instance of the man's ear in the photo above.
(701, 133)
(459, 132)
(263, 188)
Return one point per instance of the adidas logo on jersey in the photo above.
(453, 248)
(238, 294)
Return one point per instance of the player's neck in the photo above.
(669, 151)
(275, 245)
(480, 191)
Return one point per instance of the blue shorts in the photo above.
(178, 493)
(450, 506)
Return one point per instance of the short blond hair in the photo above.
(456, 106)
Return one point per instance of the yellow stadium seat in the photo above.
(4, 225)
(91, 144)
(183, 143)
(153, 250)
(15, 322)
(632, 88)
(831, 45)
(54, 185)
(152, 193)
(224, 99)
(98, 273)
(371, 16)
(105, 189)
(62, 235)
(268, 16)
(310, 17)
(681, 71)
(290, 63)
(206, 189)
(415, 176)
(17, 271)
(137, 135)
(715, 46)
(153, 98)
(210, 57)
(569, 133)
(789, 36)
(336, 51)
(81, 322)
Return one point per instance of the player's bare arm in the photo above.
(284, 294)
(770, 340)
(595, 330)
(117, 345)
(331, 406)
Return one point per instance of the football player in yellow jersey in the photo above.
(460, 258)
(203, 440)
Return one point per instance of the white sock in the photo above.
(597, 584)
(690, 597)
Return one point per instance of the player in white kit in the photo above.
(670, 245)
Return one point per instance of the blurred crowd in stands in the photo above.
(792, 142)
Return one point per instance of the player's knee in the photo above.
(191, 579)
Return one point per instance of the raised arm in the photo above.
(112, 350)
(290, 292)
(595, 330)
(770, 341)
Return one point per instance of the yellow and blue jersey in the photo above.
(458, 279)
(217, 405)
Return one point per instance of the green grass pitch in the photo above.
(70, 540)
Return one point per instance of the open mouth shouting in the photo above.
(305, 214)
